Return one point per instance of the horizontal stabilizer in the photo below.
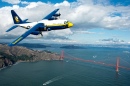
(13, 27)
(24, 21)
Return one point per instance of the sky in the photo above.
(95, 21)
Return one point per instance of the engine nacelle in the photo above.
(35, 33)
(28, 27)
(41, 27)
(55, 18)
(48, 29)
(56, 15)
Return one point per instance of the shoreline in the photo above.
(13, 55)
(20, 61)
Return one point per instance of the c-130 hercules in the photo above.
(48, 23)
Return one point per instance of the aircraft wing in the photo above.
(51, 14)
(26, 34)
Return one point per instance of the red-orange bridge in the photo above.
(117, 65)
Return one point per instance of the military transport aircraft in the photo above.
(48, 23)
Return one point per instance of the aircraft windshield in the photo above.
(66, 22)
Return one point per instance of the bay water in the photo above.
(71, 72)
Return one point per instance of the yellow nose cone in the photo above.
(70, 24)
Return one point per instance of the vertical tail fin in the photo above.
(16, 18)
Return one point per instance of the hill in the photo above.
(11, 55)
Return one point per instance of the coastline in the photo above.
(12, 55)
(20, 61)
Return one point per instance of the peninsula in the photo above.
(11, 55)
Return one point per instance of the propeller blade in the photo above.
(41, 33)
(59, 15)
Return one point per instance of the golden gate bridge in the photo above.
(65, 55)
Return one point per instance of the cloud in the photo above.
(56, 37)
(64, 3)
(24, 2)
(112, 40)
(60, 41)
(58, 34)
(84, 14)
(12, 1)
(7, 36)
(10, 36)
(83, 32)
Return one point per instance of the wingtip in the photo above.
(57, 9)
(7, 30)
(12, 10)
(10, 45)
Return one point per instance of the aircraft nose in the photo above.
(70, 24)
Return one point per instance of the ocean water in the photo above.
(71, 72)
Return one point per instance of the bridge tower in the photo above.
(117, 64)
(62, 55)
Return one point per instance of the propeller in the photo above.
(56, 16)
(59, 14)
(41, 33)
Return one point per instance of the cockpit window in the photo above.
(65, 22)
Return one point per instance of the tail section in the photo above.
(16, 18)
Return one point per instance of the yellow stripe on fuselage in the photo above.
(51, 25)
(17, 40)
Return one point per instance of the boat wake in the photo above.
(59, 77)
(53, 80)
